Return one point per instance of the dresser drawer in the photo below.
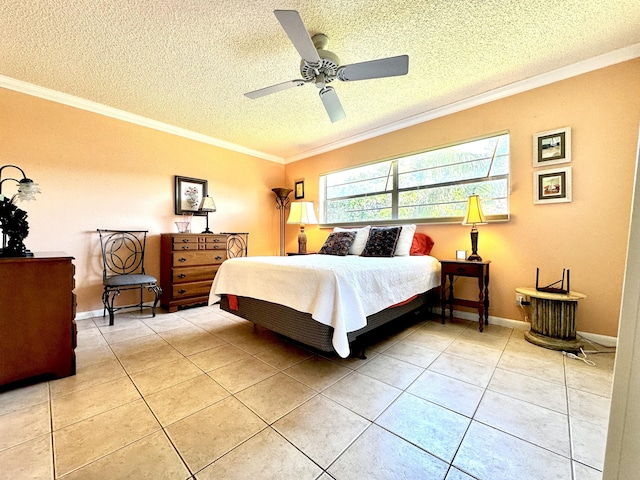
(189, 244)
(212, 246)
(180, 240)
(219, 239)
(199, 242)
(193, 289)
(194, 274)
(199, 257)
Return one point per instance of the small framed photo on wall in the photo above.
(552, 186)
(299, 190)
(189, 193)
(552, 147)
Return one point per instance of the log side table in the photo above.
(553, 319)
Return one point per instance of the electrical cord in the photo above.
(578, 357)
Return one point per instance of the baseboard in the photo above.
(100, 313)
(89, 314)
(503, 322)
(603, 340)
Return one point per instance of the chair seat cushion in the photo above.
(125, 280)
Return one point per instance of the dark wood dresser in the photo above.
(188, 264)
(37, 317)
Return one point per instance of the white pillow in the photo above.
(403, 247)
(362, 234)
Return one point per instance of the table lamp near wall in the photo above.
(207, 205)
(474, 217)
(13, 220)
(302, 214)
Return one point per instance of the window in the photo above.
(431, 186)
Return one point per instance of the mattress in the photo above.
(339, 292)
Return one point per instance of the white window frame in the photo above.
(394, 191)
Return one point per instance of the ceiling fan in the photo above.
(321, 67)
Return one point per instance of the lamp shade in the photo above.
(474, 214)
(207, 204)
(27, 188)
(302, 213)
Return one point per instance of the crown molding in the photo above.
(94, 107)
(595, 63)
(585, 66)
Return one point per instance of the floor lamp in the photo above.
(282, 200)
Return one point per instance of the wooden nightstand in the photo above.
(464, 268)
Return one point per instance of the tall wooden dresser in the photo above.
(37, 317)
(188, 264)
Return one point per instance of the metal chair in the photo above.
(123, 268)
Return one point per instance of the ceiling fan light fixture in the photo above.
(329, 64)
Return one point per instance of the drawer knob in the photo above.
(182, 259)
(182, 275)
(218, 257)
(185, 240)
(185, 247)
(460, 269)
(182, 290)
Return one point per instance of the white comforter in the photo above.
(336, 291)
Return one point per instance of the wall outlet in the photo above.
(521, 299)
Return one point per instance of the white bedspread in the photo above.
(336, 291)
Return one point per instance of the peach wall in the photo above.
(95, 171)
(588, 235)
(98, 172)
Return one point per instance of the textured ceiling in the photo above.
(188, 63)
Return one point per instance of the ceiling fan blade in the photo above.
(332, 104)
(384, 67)
(297, 33)
(274, 88)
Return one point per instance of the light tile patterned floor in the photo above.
(201, 394)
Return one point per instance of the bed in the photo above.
(325, 301)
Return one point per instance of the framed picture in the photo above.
(299, 190)
(552, 147)
(189, 193)
(552, 186)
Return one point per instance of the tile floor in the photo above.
(200, 394)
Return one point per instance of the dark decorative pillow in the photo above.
(338, 243)
(382, 242)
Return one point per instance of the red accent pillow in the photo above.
(421, 245)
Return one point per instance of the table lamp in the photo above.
(474, 217)
(302, 213)
(207, 205)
